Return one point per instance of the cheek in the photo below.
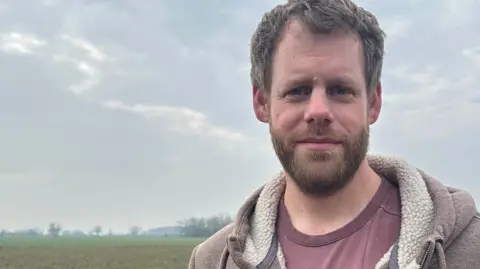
(286, 117)
(351, 119)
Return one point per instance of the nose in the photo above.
(318, 109)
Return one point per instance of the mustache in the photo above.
(321, 133)
(318, 131)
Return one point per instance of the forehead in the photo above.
(300, 51)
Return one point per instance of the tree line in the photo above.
(203, 227)
(191, 227)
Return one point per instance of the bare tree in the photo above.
(54, 229)
(97, 230)
(135, 230)
(203, 227)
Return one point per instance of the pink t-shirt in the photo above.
(358, 245)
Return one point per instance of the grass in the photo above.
(95, 252)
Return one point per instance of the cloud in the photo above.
(429, 82)
(86, 58)
(181, 119)
(458, 13)
(19, 43)
(430, 99)
(472, 54)
(396, 28)
(91, 73)
(92, 51)
(83, 55)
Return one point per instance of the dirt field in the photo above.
(96, 253)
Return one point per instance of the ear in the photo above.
(375, 104)
(260, 105)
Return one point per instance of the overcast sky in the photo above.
(122, 113)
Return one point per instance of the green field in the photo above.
(95, 252)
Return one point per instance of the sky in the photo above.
(125, 113)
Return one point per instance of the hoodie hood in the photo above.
(433, 215)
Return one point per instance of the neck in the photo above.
(321, 215)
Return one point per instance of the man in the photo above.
(316, 67)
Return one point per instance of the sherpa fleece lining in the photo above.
(417, 214)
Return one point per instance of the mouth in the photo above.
(319, 143)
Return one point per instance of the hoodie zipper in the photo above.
(427, 253)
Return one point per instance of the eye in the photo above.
(300, 91)
(339, 90)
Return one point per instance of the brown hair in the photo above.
(320, 16)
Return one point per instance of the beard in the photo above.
(322, 173)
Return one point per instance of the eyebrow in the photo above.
(342, 80)
(297, 80)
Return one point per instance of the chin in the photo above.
(320, 156)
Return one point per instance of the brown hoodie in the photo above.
(440, 227)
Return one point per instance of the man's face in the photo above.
(318, 109)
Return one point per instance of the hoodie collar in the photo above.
(432, 216)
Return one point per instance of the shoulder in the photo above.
(474, 228)
(209, 253)
(215, 243)
(470, 236)
(471, 233)
(463, 252)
